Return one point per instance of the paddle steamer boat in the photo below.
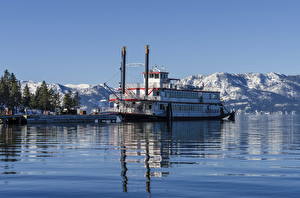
(159, 98)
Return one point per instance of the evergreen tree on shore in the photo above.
(67, 101)
(10, 91)
(4, 93)
(15, 96)
(55, 101)
(44, 98)
(71, 101)
(26, 97)
(76, 100)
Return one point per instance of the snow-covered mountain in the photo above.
(252, 92)
(248, 92)
(90, 95)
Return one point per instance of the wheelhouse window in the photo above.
(156, 76)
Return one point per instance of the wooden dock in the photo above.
(48, 119)
(12, 119)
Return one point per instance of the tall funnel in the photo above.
(146, 69)
(123, 69)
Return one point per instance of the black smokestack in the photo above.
(123, 69)
(146, 69)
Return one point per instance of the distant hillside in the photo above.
(252, 92)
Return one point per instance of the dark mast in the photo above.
(146, 69)
(123, 69)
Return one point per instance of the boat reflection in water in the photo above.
(155, 142)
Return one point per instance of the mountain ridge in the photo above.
(245, 92)
(252, 92)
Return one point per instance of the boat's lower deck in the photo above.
(134, 117)
(159, 110)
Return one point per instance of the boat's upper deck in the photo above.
(162, 88)
(171, 95)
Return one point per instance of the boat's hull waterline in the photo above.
(136, 117)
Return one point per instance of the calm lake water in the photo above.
(256, 156)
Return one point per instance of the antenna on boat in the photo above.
(146, 69)
(123, 69)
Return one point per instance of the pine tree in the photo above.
(6, 76)
(76, 100)
(4, 93)
(44, 97)
(10, 91)
(33, 104)
(68, 101)
(34, 101)
(15, 92)
(4, 89)
(55, 102)
(26, 97)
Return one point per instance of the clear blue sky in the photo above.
(79, 41)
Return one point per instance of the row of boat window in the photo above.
(192, 107)
(185, 94)
(157, 76)
(182, 94)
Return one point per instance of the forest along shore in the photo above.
(15, 101)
